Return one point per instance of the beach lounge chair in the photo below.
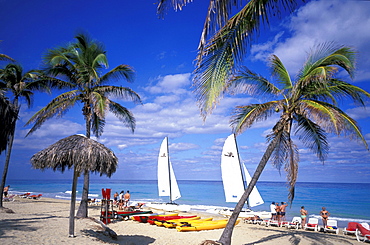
(35, 196)
(273, 223)
(332, 226)
(9, 198)
(25, 195)
(350, 229)
(295, 223)
(312, 224)
(362, 232)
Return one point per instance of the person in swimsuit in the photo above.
(5, 191)
(304, 214)
(126, 198)
(325, 216)
(278, 212)
(282, 210)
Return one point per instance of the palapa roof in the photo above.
(76, 151)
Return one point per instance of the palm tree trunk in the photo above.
(73, 205)
(7, 159)
(82, 209)
(225, 238)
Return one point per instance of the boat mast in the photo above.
(241, 169)
(169, 169)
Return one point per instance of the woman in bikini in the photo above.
(304, 214)
(325, 216)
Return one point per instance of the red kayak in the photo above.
(151, 220)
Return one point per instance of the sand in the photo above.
(45, 221)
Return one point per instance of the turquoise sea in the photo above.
(345, 201)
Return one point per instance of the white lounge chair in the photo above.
(332, 226)
(295, 223)
(350, 229)
(362, 232)
(312, 224)
(273, 223)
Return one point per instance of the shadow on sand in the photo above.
(121, 239)
(296, 237)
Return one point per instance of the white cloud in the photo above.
(343, 22)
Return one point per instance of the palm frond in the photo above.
(164, 5)
(244, 116)
(123, 114)
(334, 120)
(97, 125)
(279, 71)
(312, 136)
(248, 82)
(119, 92)
(121, 72)
(57, 107)
(221, 55)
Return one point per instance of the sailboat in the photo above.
(167, 183)
(235, 178)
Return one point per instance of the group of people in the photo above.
(121, 200)
(278, 211)
(323, 213)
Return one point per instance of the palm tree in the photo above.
(308, 107)
(77, 67)
(8, 117)
(21, 86)
(225, 41)
(80, 153)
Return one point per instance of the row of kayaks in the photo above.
(182, 223)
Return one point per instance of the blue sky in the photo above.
(162, 52)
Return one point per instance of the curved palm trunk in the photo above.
(82, 210)
(225, 238)
(7, 159)
(73, 205)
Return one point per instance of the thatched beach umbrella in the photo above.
(81, 154)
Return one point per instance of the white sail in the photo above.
(232, 174)
(255, 197)
(167, 184)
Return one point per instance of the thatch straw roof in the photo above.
(76, 151)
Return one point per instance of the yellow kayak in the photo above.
(206, 225)
(174, 223)
(161, 222)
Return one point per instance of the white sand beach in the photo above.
(45, 221)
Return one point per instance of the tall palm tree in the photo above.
(8, 117)
(308, 107)
(20, 86)
(77, 67)
(225, 41)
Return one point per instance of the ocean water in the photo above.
(345, 201)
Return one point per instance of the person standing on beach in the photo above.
(273, 211)
(121, 200)
(282, 210)
(304, 214)
(115, 198)
(127, 197)
(325, 216)
(6, 189)
(278, 212)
